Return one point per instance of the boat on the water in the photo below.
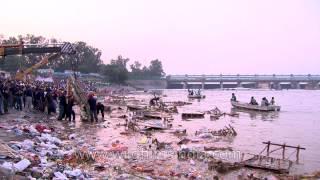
(196, 96)
(247, 106)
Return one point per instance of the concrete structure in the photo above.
(243, 81)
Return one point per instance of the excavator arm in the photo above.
(22, 74)
(6, 50)
(57, 49)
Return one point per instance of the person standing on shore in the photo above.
(28, 98)
(100, 108)
(19, 99)
(1, 99)
(5, 94)
(50, 103)
(69, 109)
(62, 105)
(93, 108)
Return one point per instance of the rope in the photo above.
(291, 154)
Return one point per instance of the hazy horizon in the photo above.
(189, 37)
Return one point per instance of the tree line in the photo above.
(86, 60)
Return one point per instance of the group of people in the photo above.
(49, 97)
(253, 101)
(28, 96)
(194, 92)
(264, 101)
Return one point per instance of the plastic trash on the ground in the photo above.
(60, 176)
(22, 165)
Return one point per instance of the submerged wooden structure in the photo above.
(266, 162)
(192, 115)
(196, 96)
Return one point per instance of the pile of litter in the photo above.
(39, 155)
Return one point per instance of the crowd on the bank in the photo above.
(46, 97)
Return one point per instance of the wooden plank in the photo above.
(275, 144)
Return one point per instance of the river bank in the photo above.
(110, 149)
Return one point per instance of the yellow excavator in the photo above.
(21, 48)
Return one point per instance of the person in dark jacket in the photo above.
(93, 108)
(62, 105)
(28, 98)
(100, 108)
(49, 102)
(6, 96)
(1, 99)
(19, 95)
(69, 109)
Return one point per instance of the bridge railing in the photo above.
(244, 77)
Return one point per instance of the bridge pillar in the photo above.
(202, 84)
(276, 85)
(295, 85)
(239, 84)
(270, 85)
(312, 85)
(185, 85)
(221, 85)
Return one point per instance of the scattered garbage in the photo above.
(60, 176)
(72, 136)
(22, 165)
(17, 167)
(227, 131)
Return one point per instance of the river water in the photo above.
(297, 123)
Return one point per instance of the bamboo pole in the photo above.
(283, 151)
(268, 148)
(298, 151)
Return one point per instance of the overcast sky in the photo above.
(189, 37)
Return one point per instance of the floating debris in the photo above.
(192, 115)
(227, 131)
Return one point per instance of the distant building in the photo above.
(70, 72)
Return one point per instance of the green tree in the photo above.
(136, 70)
(156, 69)
(117, 71)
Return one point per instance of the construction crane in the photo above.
(21, 48)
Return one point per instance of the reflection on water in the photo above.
(296, 124)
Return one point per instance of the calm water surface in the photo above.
(297, 123)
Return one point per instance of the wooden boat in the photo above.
(196, 96)
(248, 106)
